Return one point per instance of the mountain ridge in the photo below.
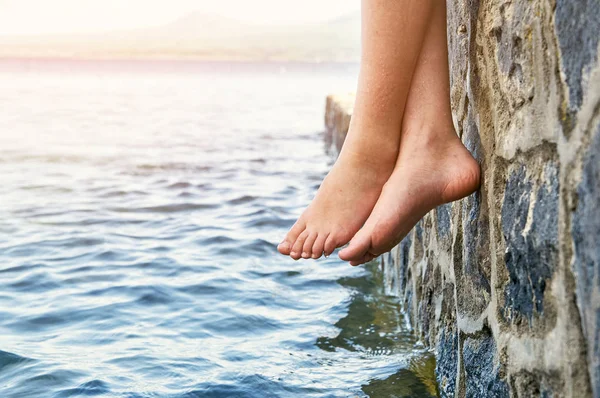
(203, 36)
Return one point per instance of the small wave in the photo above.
(102, 317)
(122, 193)
(242, 200)
(8, 359)
(135, 292)
(258, 247)
(269, 222)
(242, 325)
(68, 242)
(156, 297)
(169, 208)
(173, 166)
(40, 323)
(131, 360)
(36, 282)
(250, 386)
(43, 158)
(53, 188)
(90, 388)
(218, 240)
(277, 275)
(92, 278)
(110, 255)
(202, 289)
(55, 377)
(179, 185)
(21, 268)
(205, 186)
(287, 191)
(256, 214)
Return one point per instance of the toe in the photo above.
(284, 248)
(369, 257)
(333, 241)
(308, 244)
(296, 251)
(358, 247)
(330, 245)
(286, 245)
(318, 246)
(365, 259)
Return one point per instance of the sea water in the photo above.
(140, 208)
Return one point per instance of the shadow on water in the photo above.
(375, 325)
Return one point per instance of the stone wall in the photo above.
(505, 284)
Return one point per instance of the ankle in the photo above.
(376, 150)
(373, 165)
(429, 137)
(374, 133)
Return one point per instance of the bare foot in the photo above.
(393, 32)
(350, 191)
(392, 37)
(344, 200)
(433, 168)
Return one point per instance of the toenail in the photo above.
(284, 245)
(293, 254)
(304, 254)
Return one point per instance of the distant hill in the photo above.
(203, 36)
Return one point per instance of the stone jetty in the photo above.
(504, 285)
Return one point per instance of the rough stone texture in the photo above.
(482, 373)
(586, 236)
(505, 285)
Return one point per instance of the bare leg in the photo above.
(433, 166)
(392, 36)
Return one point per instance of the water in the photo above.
(141, 205)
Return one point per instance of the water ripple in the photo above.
(140, 215)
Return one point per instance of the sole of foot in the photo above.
(429, 173)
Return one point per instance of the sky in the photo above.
(35, 17)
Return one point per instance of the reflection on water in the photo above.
(141, 205)
(418, 380)
(374, 325)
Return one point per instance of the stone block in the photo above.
(530, 229)
(446, 368)
(444, 216)
(482, 368)
(577, 24)
(586, 239)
